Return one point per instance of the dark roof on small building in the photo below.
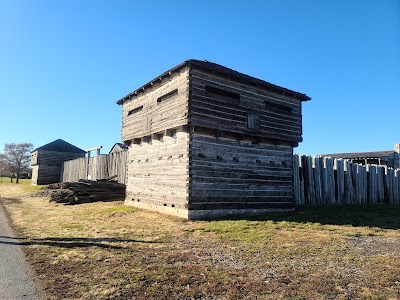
(372, 154)
(120, 145)
(218, 69)
(60, 146)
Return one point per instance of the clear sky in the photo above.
(64, 64)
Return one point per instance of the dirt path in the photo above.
(15, 276)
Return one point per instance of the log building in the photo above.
(389, 158)
(206, 142)
(118, 147)
(47, 161)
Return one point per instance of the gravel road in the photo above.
(15, 276)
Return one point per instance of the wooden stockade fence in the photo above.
(100, 167)
(324, 180)
(317, 180)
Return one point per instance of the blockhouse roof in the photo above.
(60, 146)
(218, 69)
(120, 145)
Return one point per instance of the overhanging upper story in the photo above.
(206, 95)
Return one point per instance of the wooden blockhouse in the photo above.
(118, 147)
(205, 142)
(47, 161)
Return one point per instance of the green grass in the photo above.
(352, 221)
(25, 183)
(372, 216)
(241, 230)
(7, 180)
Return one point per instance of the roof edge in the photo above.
(217, 69)
(367, 154)
(60, 141)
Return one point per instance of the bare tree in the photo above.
(16, 158)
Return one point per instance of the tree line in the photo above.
(15, 160)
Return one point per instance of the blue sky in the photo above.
(64, 64)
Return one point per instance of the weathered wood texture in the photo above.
(158, 170)
(324, 180)
(225, 104)
(394, 160)
(47, 165)
(117, 165)
(52, 157)
(100, 167)
(73, 170)
(83, 191)
(164, 106)
(239, 174)
(233, 149)
(389, 158)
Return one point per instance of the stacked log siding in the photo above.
(239, 174)
(47, 164)
(156, 116)
(279, 115)
(157, 173)
(206, 141)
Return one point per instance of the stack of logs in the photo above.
(85, 191)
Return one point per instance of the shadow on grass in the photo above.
(381, 216)
(105, 243)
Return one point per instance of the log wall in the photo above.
(163, 107)
(53, 157)
(47, 165)
(228, 174)
(157, 172)
(221, 103)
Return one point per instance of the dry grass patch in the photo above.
(105, 250)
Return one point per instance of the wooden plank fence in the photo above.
(100, 167)
(317, 180)
(325, 180)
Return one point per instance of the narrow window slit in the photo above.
(220, 92)
(278, 107)
(135, 110)
(167, 96)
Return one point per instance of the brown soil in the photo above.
(104, 250)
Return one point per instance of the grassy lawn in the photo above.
(7, 180)
(105, 250)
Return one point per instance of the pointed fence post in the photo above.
(317, 165)
(296, 179)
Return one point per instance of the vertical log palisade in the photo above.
(205, 141)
